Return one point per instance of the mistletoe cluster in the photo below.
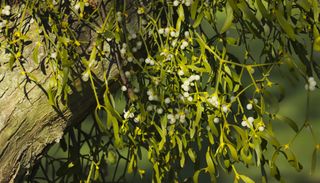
(194, 79)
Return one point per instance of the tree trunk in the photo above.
(28, 123)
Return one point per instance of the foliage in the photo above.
(191, 72)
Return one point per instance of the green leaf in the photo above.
(99, 122)
(292, 159)
(210, 167)
(249, 15)
(162, 132)
(131, 164)
(233, 151)
(289, 121)
(257, 148)
(212, 126)
(316, 44)
(198, 114)
(285, 25)
(194, 8)
(262, 9)
(179, 144)
(156, 172)
(192, 131)
(234, 6)
(316, 33)
(210, 137)
(115, 125)
(246, 179)
(195, 177)
(198, 21)
(246, 155)
(181, 18)
(274, 171)
(167, 157)
(51, 97)
(304, 4)
(314, 161)
(180, 12)
(315, 9)
(229, 18)
(270, 138)
(182, 160)
(192, 155)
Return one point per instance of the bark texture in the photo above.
(28, 123)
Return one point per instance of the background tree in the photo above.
(192, 79)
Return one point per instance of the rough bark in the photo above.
(28, 123)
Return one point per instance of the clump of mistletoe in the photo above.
(190, 74)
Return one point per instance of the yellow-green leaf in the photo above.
(229, 18)
(210, 165)
(194, 8)
(233, 152)
(314, 160)
(316, 44)
(192, 155)
(198, 21)
(285, 25)
(246, 179)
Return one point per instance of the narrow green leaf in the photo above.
(285, 25)
(210, 137)
(179, 144)
(162, 132)
(316, 44)
(262, 9)
(270, 138)
(99, 122)
(212, 126)
(131, 164)
(192, 155)
(250, 15)
(292, 159)
(195, 177)
(274, 171)
(198, 113)
(192, 131)
(198, 21)
(180, 12)
(182, 160)
(314, 161)
(194, 8)
(304, 4)
(167, 157)
(246, 179)
(233, 151)
(210, 167)
(289, 121)
(315, 9)
(229, 18)
(156, 172)
(115, 125)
